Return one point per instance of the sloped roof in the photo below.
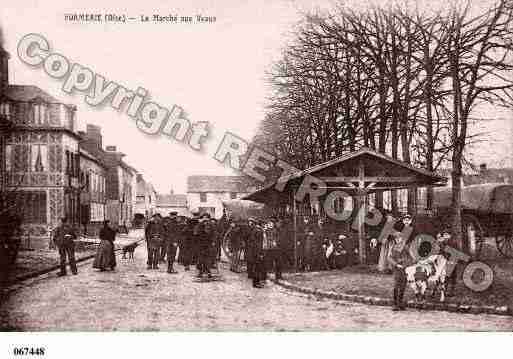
(237, 184)
(27, 93)
(422, 176)
(172, 200)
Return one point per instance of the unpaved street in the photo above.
(133, 298)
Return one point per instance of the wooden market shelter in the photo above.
(356, 173)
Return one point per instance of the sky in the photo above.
(214, 71)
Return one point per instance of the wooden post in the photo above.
(362, 210)
(294, 211)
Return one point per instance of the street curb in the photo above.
(446, 307)
(38, 273)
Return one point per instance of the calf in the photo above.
(429, 271)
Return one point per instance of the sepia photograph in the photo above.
(319, 166)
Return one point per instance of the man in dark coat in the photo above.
(171, 240)
(205, 233)
(189, 241)
(319, 261)
(250, 249)
(215, 251)
(258, 256)
(273, 248)
(154, 234)
(64, 236)
(306, 245)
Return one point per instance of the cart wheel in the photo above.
(473, 236)
(505, 245)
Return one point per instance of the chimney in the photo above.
(94, 134)
(482, 168)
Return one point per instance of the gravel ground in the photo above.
(135, 299)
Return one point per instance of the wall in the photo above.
(214, 199)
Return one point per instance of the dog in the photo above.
(430, 271)
(130, 248)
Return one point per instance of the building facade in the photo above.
(42, 157)
(92, 193)
(207, 193)
(167, 203)
(120, 179)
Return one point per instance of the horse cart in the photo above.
(487, 212)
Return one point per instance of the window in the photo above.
(8, 154)
(68, 162)
(33, 206)
(88, 182)
(233, 195)
(39, 113)
(5, 109)
(203, 197)
(39, 158)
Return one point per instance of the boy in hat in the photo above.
(445, 240)
(399, 258)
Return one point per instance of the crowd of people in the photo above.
(197, 241)
(264, 245)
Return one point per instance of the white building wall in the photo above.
(214, 199)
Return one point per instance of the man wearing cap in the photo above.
(171, 240)
(64, 236)
(154, 234)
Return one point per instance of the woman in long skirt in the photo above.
(105, 257)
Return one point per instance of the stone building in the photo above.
(206, 193)
(92, 192)
(120, 178)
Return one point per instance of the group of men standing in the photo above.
(263, 245)
(196, 240)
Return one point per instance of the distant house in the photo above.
(206, 193)
(172, 202)
(489, 175)
(146, 200)
(482, 175)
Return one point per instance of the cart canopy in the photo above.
(239, 209)
(487, 197)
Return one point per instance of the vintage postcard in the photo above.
(288, 165)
